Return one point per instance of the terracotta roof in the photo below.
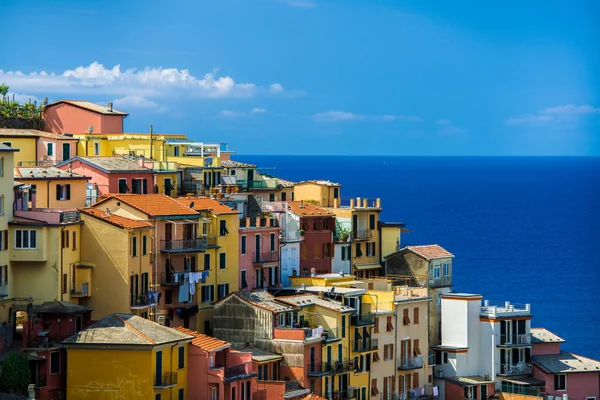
(205, 342)
(306, 209)
(117, 220)
(126, 329)
(110, 163)
(543, 335)
(88, 105)
(207, 204)
(313, 397)
(430, 251)
(566, 362)
(59, 308)
(32, 133)
(45, 173)
(154, 205)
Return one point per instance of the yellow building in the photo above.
(150, 146)
(51, 188)
(6, 215)
(124, 357)
(220, 228)
(120, 250)
(38, 148)
(324, 193)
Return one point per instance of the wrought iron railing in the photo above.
(265, 257)
(515, 340)
(165, 379)
(366, 345)
(522, 368)
(234, 371)
(410, 362)
(198, 244)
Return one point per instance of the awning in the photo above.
(367, 266)
(523, 381)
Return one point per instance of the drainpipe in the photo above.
(47, 195)
(151, 142)
(396, 337)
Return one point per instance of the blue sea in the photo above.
(522, 229)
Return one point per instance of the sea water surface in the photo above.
(522, 229)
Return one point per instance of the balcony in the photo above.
(509, 387)
(361, 234)
(141, 301)
(366, 345)
(81, 290)
(183, 245)
(410, 363)
(522, 368)
(362, 320)
(515, 340)
(293, 389)
(265, 258)
(332, 335)
(319, 369)
(235, 372)
(166, 379)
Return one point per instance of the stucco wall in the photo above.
(65, 118)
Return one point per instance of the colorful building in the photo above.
(124, 356)
(217, 372)
(38, 148)
(77, 116)
(46, 326)
(118, 251)
(324, 193)
(7, 311)
(51, 188)
(177, 246)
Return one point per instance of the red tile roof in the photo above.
(155, 205)
(430, 251)
(205, 342)
(306, 209)
(117, 220)
(205, 203)
(313, 396)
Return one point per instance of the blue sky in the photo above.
(324, 76)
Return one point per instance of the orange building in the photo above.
(76, 116)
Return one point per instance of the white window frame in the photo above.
(436, 271)
(446, 269)
(29, 231)
(215, 393)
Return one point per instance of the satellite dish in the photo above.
(90, 129)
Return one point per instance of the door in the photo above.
(168, 232)
(257, 248)
(66, 147)
(168, 186)
(328, 357)
(158, 368)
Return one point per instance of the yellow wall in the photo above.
(510, 396)
(27, 149)
(138, 144)
(160, 182)
(46, 192)
(389, 240)
(323, 194)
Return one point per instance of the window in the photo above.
(374, 390)
(134, 246)
(3, 240)
(370, 249)
(406, 318)
(1, 205)
(416, 349)
(222, 260)
(54, 362)
(243, 245)
(25, 239)
(244, 282)
(283, 196)
(436, 271)
(376, 328)
(358, 250)
(123, 186)
(208, 293)
(74, 244)
(2, 166)
(222, 290)
(416, 315)
(336, 193)
(139, 186)
(416, 380)
(372, 221)
(3, 275)
(96, 149)
(50, 149)
(181, 357)
(223, 228)
(63, 192)
(65, 283)
(176, 151)
(272, 242)
(181, 394)
(343, 326)
(157, 396)
(144, 245)
(389, 326)
(560, 382)
(271, 196)
(446, 269)
(444, 357)
(206, 262)
(9, 144)
(214, 393)
(345, 253)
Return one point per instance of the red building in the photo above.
(113, 174)
(317, 226)
(75, 116)
(49, 324)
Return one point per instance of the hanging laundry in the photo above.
(192, 289)
(176, 278)
(184, 293)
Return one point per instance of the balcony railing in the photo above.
(368, 345)
(183, 245)
(69, 216)
(330, 335)
(515, 340)
(362, 319)
(362, 234)
(411, 362)
(165, 379)
(168, 278)
(521, 368)
(39, 163)
(82, 290)
(509, 387)
(235, 372)
(262, 258)
(330, 368)
(291, 386)
(141, 301)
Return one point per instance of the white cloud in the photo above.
(258, 111)
(299, 3)
(337, 116)
(407, 118)
(136, 102)
(443, 122)
(554, 115)
(22, 98)
(149, 82)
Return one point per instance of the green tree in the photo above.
(15, 374)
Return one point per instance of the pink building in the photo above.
(113, 174)
(565, 375)
(49, 324)
(259, 253)
(216, 372)
(75, 116)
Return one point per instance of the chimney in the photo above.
(365, 203)
(110, 106)
(358, 203)
(378, 203)
(301, 203)
(247, 222)
(258, 222)
(352, 204)
(31, 392)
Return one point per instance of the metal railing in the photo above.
(182, 245)
(362, 319)
(361, 234)
(69, 216)
(168, 278)
(261, 258)
(410, 362)
(522, 368)
(82, 290)
(515, 339)
(165, 379)
(332, 334)
(508, 387)
(234, 371)
(39, 163)
(368, 345)
(291, 386)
